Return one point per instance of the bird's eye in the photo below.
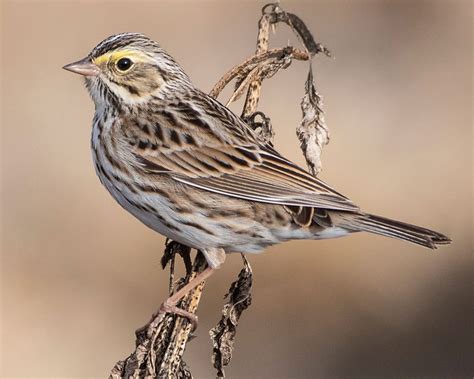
(123, 64)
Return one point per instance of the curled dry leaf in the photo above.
(223, 334)
(263, 128)
(313, 132)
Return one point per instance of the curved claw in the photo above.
(166, 307)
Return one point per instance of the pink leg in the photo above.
(169, 305)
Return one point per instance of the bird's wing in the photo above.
(228, 161)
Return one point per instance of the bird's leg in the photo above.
(214, 257)
(169, 305)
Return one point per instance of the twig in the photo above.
(258, 60)
(253, 94)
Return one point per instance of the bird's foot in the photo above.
(170, 307)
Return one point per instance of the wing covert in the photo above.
(225, 158)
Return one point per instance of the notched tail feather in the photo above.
(396, 229)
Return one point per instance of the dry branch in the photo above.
(160, 344)
(256, 63)
(253, 94)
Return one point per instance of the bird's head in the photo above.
(128, 68)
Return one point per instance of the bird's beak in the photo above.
(83, 67)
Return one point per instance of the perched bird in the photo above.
(190, 169)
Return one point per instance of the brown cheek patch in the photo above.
(148, 79)
(142, 80)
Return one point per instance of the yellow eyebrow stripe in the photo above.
(116, 55)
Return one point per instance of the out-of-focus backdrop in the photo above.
(79, 274)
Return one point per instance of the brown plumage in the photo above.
(189, 168)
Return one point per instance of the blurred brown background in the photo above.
(79, 274)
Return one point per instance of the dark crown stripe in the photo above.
(118, 41)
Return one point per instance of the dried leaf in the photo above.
(223, 334)
(312, 132)
(263, 129)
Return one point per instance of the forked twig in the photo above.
(253, 68)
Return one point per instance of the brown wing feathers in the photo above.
(214, 159)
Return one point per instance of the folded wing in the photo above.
(204, 145)
(245, 172)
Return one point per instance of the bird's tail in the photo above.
(395, 229)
